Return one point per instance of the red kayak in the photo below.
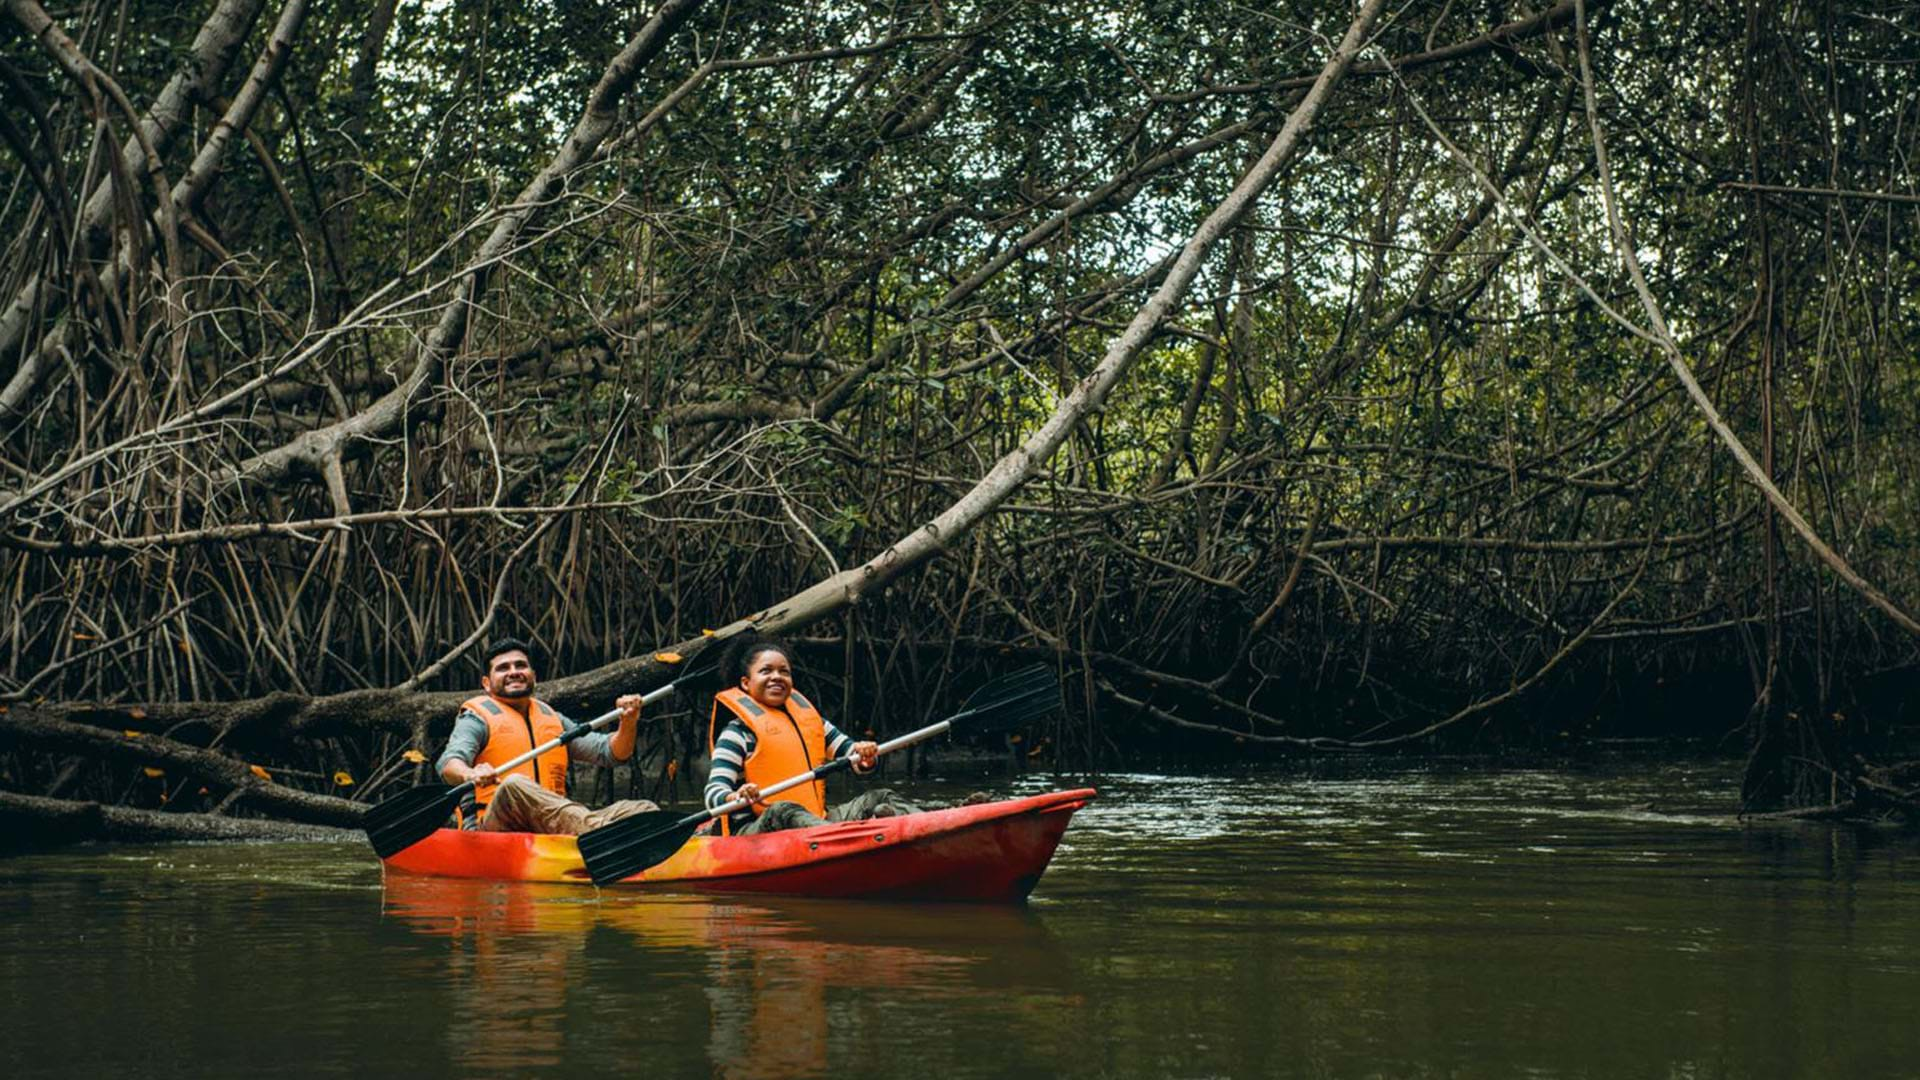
(993, 852)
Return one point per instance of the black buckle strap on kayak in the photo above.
(634, 844)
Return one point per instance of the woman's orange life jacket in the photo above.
(787, 742)
(510, 734)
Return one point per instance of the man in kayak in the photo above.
(773, 733)
(506, 722)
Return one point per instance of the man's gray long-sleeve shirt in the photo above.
(470, 737)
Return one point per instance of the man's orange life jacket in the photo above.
(787, 742)
(510, 734)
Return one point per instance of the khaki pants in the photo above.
(520, 805)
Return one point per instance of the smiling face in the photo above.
(769, 678)
(509, 676)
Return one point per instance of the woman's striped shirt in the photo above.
(736, 743)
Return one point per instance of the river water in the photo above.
(1439, 920)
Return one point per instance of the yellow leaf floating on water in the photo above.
(341, 779)
(136, 713)
(132, 734)
(153, 772)
(78, 636)
(668, 657)
(260, 772)
(415, 756)
(202, 791)
(706, 633)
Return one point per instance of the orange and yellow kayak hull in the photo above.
(992, 852)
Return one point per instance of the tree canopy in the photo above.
(337, 335)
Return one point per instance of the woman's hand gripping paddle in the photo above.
(415, 814)
(633, 844)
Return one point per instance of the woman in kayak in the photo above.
(772, 733)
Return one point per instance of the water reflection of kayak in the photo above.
(898, 942)
(773, 981)
(990, 852)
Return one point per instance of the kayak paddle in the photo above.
(415, 814)
(633, 844)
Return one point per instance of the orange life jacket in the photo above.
(510, 734)
(787, 742)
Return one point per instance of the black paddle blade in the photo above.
(1010, 713)
(410, 817)
(1028, 680)
(633, 844)
(1009, 699)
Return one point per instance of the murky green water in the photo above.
(1442, 921)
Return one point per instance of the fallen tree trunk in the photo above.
(416, 715)
(34, 730)
(28, 822)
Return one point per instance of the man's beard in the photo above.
(518, 691)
